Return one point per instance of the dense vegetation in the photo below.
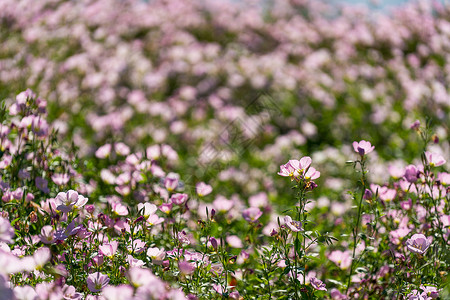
(177, 149)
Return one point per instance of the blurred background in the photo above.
(235, 89)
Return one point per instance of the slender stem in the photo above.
(355, 230)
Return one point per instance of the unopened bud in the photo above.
(213, 242)
(90, 208)
(435, 139)
(139, 219)
(33, 217)
(367, 194)
(415, 125)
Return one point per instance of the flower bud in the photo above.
(367, 194)
(213, 242)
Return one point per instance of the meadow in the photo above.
(183, 149)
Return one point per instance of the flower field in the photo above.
(185, 149)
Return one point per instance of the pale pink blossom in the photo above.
(363, 147)
(97, 281)
(295, 226)
(434, 159)
(203, 189)
(418, 243)
(317, 284)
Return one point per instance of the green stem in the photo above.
(355, 230)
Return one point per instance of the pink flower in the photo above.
(312, 174)
(147, 209)
(418, 243)
(166, 207)
(203, 189)
(171, 182)
(336, 295)
(430, 291)
(122, 149)
(6, 231)
(120, 292)
(157, 255)
(186, 268)
(396, 171)
(259, 200)
(153, 152)
(222, 204)
(119, 209)
(137, 246)
(213, 243)
(295, 226)
(154, 220)
(67, 201)
(434, 159)
(183, 238)
(69, 292)
(109, 249)
(134, 262)
(295, 168)
(411, 174)
(252, 214)
(178, 198)
(47, 235)
(6, 161)
(218, 288)
(415, 125)
(234, 241)
(97, 281)
(41, 256)
(24, 292)
(71, 229)
(317, 284)
(396, 235)
(287, 170)
(387, 194)
(104, 151)
(368, 194)
(42, 184)
(342, 259)
(363, 147)
(444, 178)
(60, 179)
(302, 164)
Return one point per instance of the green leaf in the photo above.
(335, 282)
(15, 221)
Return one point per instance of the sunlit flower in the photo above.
(434, 159)
(179, 198)
(109, 249)
(147, 209)
(295, 226)
(47, 235)
(186, 268)
(97, 281)
(363, 147)
(119, 209)
(69, 200)
(317, 284)
(252, 214)
(203, 189)
(418, 243)
(342, 258)
(411, 174)
(171, 182)
(157, 255)
(311, 174)
(6, 231)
